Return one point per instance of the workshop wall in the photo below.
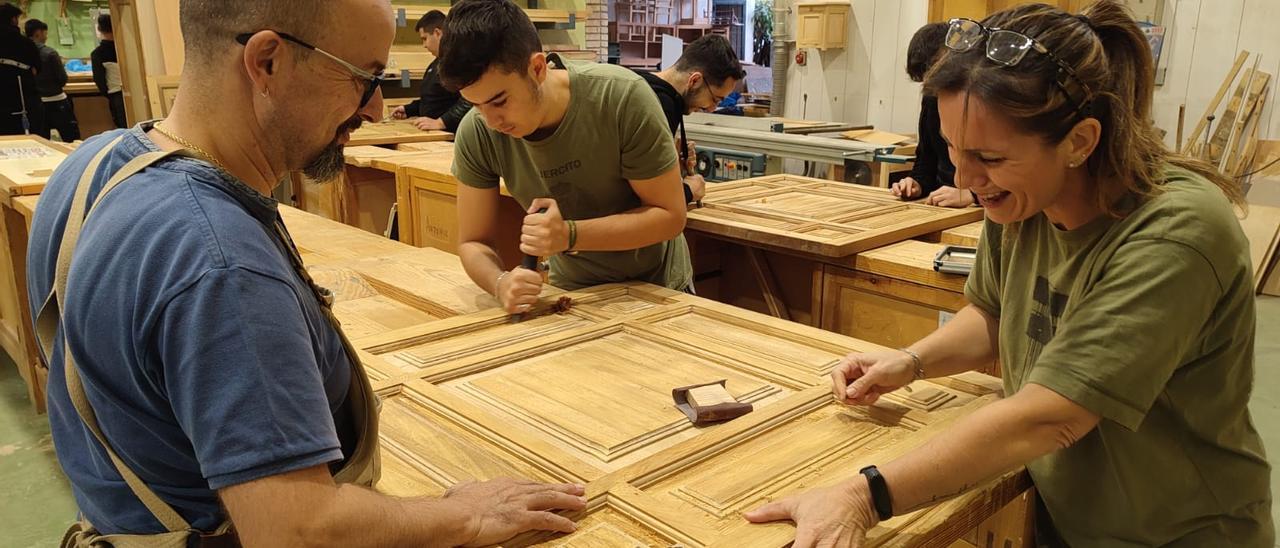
(1203, 40)
(866, 82)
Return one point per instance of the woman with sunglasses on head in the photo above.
(1113, 283)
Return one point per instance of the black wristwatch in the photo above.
(879, 492)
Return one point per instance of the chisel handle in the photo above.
(530, 262)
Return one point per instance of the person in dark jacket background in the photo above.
(933, 175)
(59, 113)
(438, 107)
(106, 71)
(707, 71)
(19, 64)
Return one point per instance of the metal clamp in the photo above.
(955, 259)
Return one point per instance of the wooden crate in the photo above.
(360, 197)
(585, 396)
(428, 208)
(893, 297)
(817, 217)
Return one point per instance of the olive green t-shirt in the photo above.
(1147, 321)
(613, 132)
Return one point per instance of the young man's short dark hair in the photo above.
(430, 21)
(482, 34)
(9, 12)
(33, 26)
(925, 47)
(713, 56)
(104, 22)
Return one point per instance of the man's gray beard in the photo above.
(327, 165)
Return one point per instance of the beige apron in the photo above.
(362, 468)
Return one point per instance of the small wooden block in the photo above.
(925, 395)
(930, 398)
(706, 396)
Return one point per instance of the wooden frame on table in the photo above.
(555, 398)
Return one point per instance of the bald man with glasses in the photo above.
(200, 391)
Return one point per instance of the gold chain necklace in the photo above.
(188, 144)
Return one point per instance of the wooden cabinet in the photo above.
(585, 396)
(428, 208)
(822, 24)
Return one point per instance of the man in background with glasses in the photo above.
(210, 359)
(708, 71)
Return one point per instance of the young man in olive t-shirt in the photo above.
(585, 141)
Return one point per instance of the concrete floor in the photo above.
(37, 504)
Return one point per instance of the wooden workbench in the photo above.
(801, 241)
(584, 396)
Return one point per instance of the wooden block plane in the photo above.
(709, 403)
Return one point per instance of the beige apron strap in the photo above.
(50, 312)
(52, 317)
(364, 467)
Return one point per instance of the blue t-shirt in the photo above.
(207, 358)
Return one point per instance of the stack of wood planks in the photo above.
(1229, 139)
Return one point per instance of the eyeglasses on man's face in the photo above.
(371, 80)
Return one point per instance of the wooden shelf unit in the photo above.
(408, 53)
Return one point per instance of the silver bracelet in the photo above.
(919, 364)
(498, 282)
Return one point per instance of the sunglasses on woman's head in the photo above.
(1007, 48)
